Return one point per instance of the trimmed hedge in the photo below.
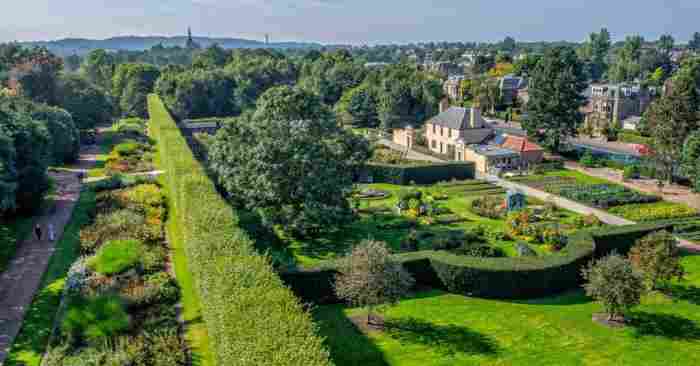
(503, 278)
(250, 316)
(418, 174)
(633, 138)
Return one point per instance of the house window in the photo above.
(434, 129)
(449, 132)
(433, 144)
(442, 131)
(459, 156)
(441, 146)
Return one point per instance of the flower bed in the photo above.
(119, 300)
(654, 212)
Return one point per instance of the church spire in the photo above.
(191, 44)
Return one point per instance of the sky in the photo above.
(350, 21)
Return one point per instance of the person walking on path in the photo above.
(37, 231)
(52, 233)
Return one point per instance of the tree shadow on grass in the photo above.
(663, 325)
(445, 339)
(690, 294)
(347, 345)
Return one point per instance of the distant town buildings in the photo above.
(453, 87)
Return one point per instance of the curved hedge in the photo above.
(506, 278)
(251, 317)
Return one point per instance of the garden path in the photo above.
(23, 276)
(412, 154)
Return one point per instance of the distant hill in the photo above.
(69, 46)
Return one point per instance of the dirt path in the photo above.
(23, 276)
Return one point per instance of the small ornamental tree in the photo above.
(615, 283)
(368, 277)
(657, 257)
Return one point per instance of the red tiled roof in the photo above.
(520, 144)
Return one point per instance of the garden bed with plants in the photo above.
(119, 298)
(452, 216)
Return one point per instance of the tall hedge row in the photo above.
(505, 278)
(418, 174)
(251, 317)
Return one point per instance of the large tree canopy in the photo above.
(671, 119)
(290, 161)
(131, 85)
(555, 98)
(88, 104)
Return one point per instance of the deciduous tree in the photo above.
(556, 98)
(615, 283)
(368, 277)
(657, 256)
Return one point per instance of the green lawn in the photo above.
(31, 342)
(436, 328)
(310, 251)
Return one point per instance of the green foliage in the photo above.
(198, 93)
(131, 84)
(588, 160)
(318, 156)
(25, 159)
(116, 256)
(358, 107)
(615, 283)
(631, 172)
(657, 256)
(503, 278)
(87, 103)
(555, 98)
(647, 212)
(418, 174)
(95, 319)
(671, 119)
(690, 164)
(98, 67)
(236, 284)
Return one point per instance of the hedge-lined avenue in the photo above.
(251, 317)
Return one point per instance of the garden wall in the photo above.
(503, 278)
(251, 317)
(418, 174)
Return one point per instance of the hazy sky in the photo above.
(350, 21)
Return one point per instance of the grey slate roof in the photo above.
(455, 118)
(477, 136)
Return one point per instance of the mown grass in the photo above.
(436, 328)
(30, 344)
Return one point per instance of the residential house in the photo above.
(453, 87)
(509, 86)
(454, 124)
(610, 104)
(529, 152)
(489, 159)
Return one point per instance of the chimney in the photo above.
(475, 120)
(444, 105)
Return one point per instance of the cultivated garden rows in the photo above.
(617, 199)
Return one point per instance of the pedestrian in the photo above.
(37, 231)
(52, 233)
